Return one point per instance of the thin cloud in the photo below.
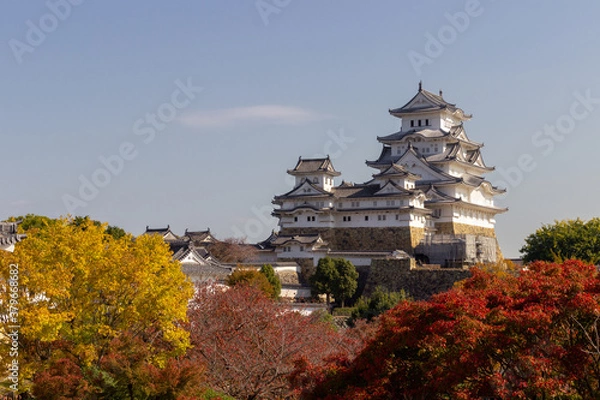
(271, 114)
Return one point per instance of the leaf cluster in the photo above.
(564, 240)
(535, 334)
(335, 276)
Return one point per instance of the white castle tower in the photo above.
(429, 181)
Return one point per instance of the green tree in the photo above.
(324, 279)
(347, 281)
(563, 240)
(379, 302)
(251, 277)
(268, 271)
(79, 290)
(335, 277)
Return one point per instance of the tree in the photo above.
(33, 221)
(563, 240)
(268, 271)
(324, 279)
(347, 281)
(531, 335)
(80, 289)
(335, 276)
(249, 343)
(232, 250)
(253, 278)
(379, 302)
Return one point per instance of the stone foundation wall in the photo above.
(365, 239)
(419, 283)
(463, 229)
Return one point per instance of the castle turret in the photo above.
(318, 171)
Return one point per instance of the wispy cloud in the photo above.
(271, 114)
(21, 203)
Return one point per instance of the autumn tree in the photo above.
(563, 240)
(504, 336)
(249, 343)
(251, 277)
(335, 276)
(232, 250)
(33, 221)
(80, 290)
(268, 271)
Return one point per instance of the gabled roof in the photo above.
(395, 170)
(433, 195)
(200, 237)
(313, 165)
(166, 233)
(390, 188)
(307, 240)
(457, 152)
(425, 101)
(298, 191)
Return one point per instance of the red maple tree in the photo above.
(249, 342)
(530, 335)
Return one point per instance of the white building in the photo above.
(428, 179)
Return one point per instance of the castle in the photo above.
(428, 197)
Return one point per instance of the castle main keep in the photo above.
(428, 197)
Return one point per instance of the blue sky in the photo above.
(243, 88)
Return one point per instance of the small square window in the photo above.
(366, 217)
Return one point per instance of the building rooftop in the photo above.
(314, 165)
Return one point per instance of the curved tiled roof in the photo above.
(313, 165)
(434, 103)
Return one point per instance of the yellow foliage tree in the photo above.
(79, 289)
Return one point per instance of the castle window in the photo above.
(427, 122)
(374, 204)
(347, 218)
(366, 217)
(295, 219)
(308, 219)
(397, 217)
(315, 180)
(301, 248)
(419, 122)
(412, 122)
(381, 218)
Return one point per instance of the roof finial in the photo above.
(420, 85)
(441, 93)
